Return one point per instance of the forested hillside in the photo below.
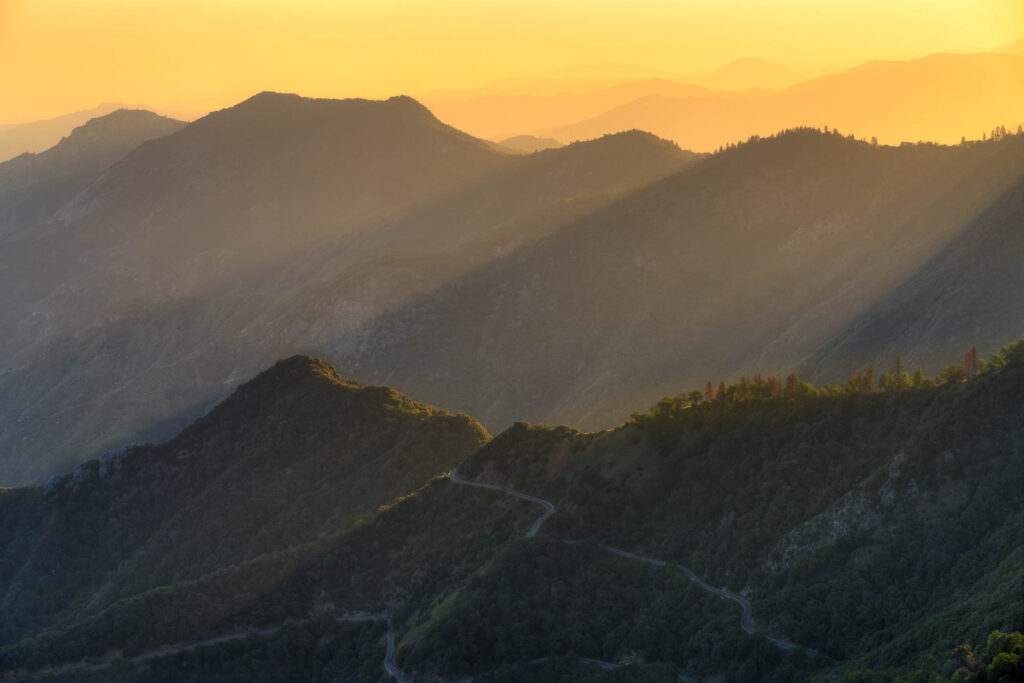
(292, 458)
(874, 524)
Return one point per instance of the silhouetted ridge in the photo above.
(626, 140)
(120, 123)
(104, 137)
(33, 186)
(291, 110)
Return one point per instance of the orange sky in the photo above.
(57, 56)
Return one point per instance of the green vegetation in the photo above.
(548, 599)
(873, 527)
(1001, 660)
(878, 527)
(167, 543)
(319, 650)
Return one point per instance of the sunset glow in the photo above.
(57, 56)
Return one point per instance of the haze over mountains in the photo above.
(753, 259)
(755, 377)
(34, 186)
(569, 285)
(934, 98)
(37, 136)
(212, 232)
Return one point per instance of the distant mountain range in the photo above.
(749, 72)
(212, 232)
(528, 143)
(567, 285)
(760, 257)
(936, 98)
(37, 136)
(34, 186)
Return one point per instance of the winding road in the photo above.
(389, 657)
(725, 594)
(549, 508)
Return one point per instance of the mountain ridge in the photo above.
(443, 560)
(35, 185)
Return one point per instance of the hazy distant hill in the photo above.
(529, 143)
(749, 72)
(114, 351)
(968, 294)
(201, 208)
(500, 116)
(1014, 48)
(937, 98)
(748, 261)
(37, 136)
(34, 186)
(571, 284)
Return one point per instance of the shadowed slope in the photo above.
(293, 455)
(152, 366)
(745, 262)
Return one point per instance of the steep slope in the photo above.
(881, 530)
(295, 456)
(937, 98)
(149, 368)
(878, 529)
(37, 136)
(969, 294)
(748, 261)
(34, 186)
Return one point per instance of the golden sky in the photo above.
(60, 55)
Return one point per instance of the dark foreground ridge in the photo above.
(306, 514)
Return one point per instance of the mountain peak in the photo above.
(120, 124)
(300, 367)
(275, 103)
(627, 142)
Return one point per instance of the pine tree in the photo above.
(857, 382)
(709, 392)
(744, 389)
